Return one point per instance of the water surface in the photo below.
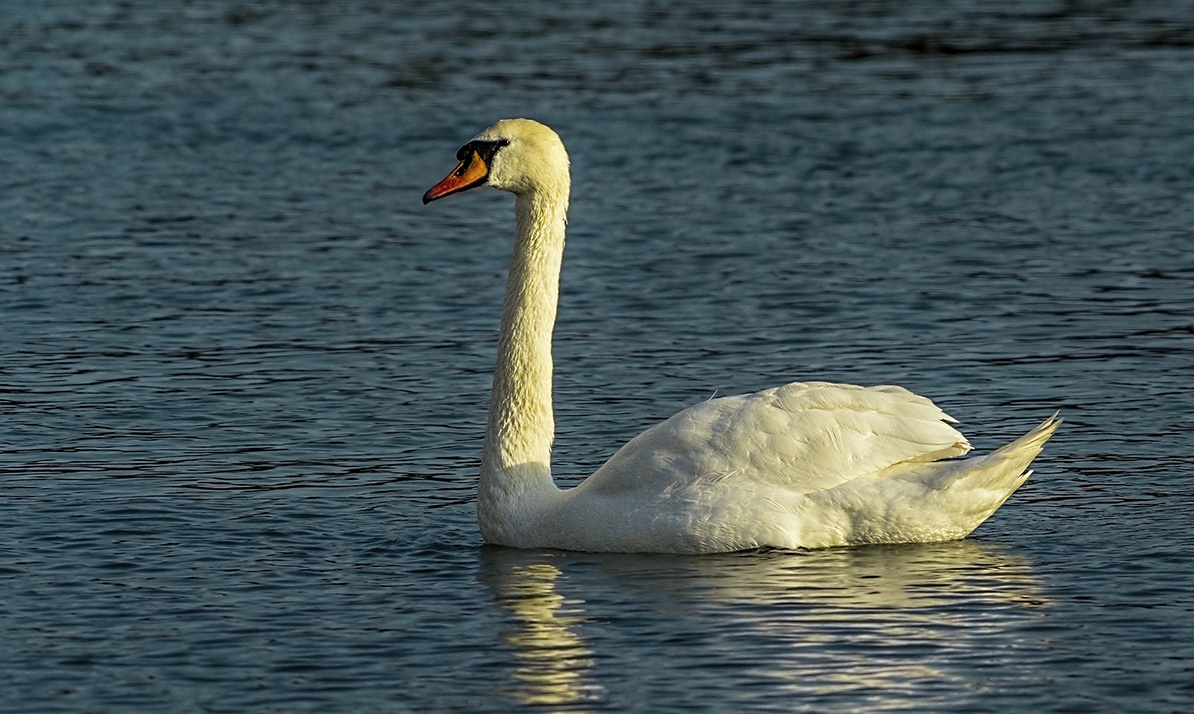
(244, 372)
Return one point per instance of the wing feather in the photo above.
(801, 437)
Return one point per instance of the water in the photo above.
(244, 373)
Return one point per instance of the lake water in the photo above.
(244, 373)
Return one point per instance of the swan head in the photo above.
(521, 156)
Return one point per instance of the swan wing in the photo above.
(801, 437)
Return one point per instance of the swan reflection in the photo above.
(858, 623)
(553, 660)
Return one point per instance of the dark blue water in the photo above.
(243, 372)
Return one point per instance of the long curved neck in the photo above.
(516, 463)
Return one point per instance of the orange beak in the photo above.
(469, 173)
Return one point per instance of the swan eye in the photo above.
(484, 149)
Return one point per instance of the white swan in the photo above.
(805, 465)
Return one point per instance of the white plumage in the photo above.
(805, 465)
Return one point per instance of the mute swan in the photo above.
(805, 465)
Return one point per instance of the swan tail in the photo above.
(1007, 466)
(1032, 442)
(978, 487)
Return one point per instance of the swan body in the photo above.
(805, 465)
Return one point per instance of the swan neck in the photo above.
(521, 426)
